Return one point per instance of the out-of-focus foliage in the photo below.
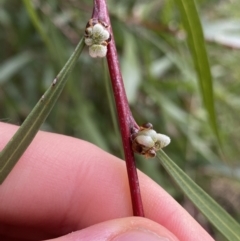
(159, 76)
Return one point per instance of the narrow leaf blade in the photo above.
(25, 134)
(213, 212)
(197, 47)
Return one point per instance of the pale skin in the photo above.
(66, 189)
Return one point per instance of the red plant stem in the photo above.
(125, 118)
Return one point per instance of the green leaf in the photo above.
(25, 134)
(196, 44)
(214, 213)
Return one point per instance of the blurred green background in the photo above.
(159, 77)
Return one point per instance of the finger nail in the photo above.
(140, 235)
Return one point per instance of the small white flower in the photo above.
(97, 29)
(97, 50)
(88, 31)
(149, 132)
(145, 141)
(162, 141)
(88, 41)
(97, 38)
(99, 34)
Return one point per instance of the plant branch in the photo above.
(126, 120)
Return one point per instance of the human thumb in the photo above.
(124, 229)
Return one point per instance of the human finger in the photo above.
(62, 184)
(124, 229)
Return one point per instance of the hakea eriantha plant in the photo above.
(100, 40)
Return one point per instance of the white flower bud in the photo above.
(162, 141)
(149, 132)
(88, 41)
(97, 30)
(97, 51)
(97, 38)
(145, 141)
(88, 31)
(105, 35)
(99, 34)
